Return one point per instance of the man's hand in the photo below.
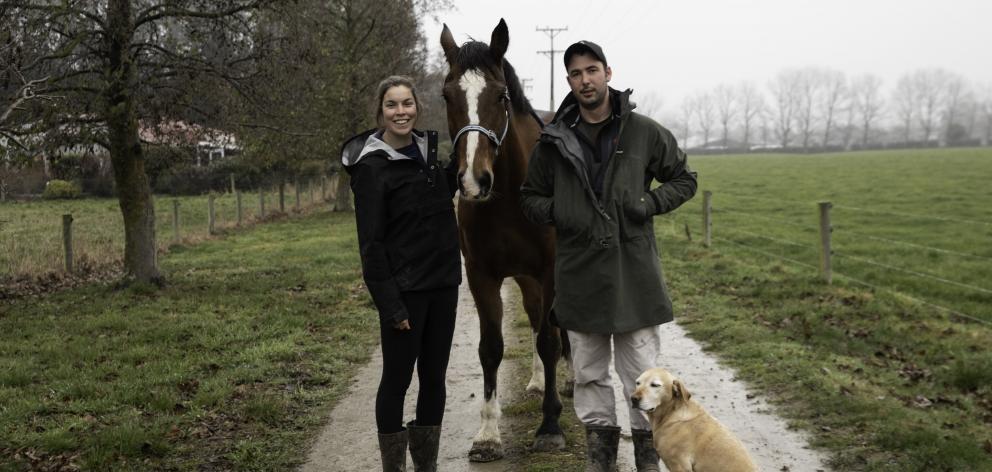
(639, 209)
(402, 325)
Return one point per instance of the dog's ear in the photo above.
(679, 392)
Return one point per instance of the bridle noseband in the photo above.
(498, 141)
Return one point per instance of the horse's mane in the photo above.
(475, 55)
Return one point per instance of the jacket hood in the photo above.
(569, 108)
(368, 142)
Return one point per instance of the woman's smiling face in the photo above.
(399, 111)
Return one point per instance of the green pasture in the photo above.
(918, 222)
(31, 232)
(232, 366)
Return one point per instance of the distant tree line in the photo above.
(289, 80)
(815, 109)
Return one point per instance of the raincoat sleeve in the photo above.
(370, 216)
(668, 165)
(536, 193)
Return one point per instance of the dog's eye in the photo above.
(655, 384)
(637, 382)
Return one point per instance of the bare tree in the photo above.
(930, 87)
(834, 91)
(785, 95)
(868, 102)
(985, 108)
(809, 85)
(705, 114)
(650, 104)
(956, 95)
(726, 106)
(686, 110)
(751, 105)
(905, 99)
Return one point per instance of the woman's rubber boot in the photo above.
(392, 448)
(645, 456)
(424, 443)
(601, 448)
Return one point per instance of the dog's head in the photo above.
(658, 388)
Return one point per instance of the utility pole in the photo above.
(551, 32)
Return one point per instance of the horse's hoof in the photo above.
(549, 442)
(485, 451)
(567, 389)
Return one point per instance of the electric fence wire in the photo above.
(914, 215)
(914, 273)
(846, 232)
(875, 287)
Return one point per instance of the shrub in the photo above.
(60, 189)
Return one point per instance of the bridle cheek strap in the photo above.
(497, 140)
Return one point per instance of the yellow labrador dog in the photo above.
(686, 437)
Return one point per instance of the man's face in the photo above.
(588, 79)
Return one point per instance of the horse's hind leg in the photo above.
(533, 305)
(549, 434)
(487, 445)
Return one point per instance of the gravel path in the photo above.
(348, 442)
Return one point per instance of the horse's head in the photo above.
(478, 102)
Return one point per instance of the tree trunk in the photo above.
(134, 192)
(342, 190)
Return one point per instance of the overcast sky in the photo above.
(675, 48)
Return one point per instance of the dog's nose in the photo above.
(635, 401)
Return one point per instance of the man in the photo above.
(590, 177)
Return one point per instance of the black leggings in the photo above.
(428, 343)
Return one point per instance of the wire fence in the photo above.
(892, 270)
(73, 236)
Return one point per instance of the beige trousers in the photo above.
(635, 352)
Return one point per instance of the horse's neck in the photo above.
(511, 166)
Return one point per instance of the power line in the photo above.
(551, 32)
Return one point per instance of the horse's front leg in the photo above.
(487, 445)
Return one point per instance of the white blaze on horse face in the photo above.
(491, 412)
(472, 82)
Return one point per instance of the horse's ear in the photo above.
(448, 45)
(500, 41)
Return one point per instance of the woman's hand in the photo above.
(402, 325)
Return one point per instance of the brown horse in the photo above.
(493, 129)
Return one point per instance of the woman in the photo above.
(410, 261)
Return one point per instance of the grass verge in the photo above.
(880, 382)
(232, 366)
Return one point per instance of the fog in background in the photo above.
(682, 57)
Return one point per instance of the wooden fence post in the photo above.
(323, 188)
(707, 217)
(825, 250)
(210, 213)
(310, 190)
(282, 196)
(233, 188)
(237, 195)
(67, 240)
(175, 220)
(261, 203)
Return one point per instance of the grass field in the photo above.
(31, 232)
(232, 366)
(918, 222)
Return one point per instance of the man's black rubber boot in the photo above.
(601, 448)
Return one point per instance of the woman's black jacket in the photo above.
(407, 233)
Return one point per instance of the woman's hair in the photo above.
(388, 83)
